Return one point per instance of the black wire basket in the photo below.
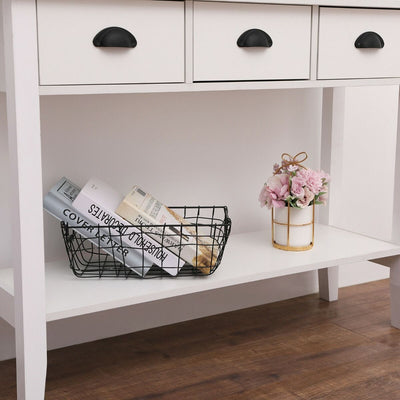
(149, 251)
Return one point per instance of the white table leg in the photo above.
(394, 264)
(23, 116)
(328, 279)
(333, 108)
(395, 294)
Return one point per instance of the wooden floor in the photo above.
(303, 348)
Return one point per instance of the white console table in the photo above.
(181, 46)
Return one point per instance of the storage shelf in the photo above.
(248, 257)
(52, 90)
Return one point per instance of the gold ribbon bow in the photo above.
(288, 160)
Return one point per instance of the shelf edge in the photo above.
(63, 90)
(127, 302)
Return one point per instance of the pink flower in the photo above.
(277, 190)
(263, 197)
(313, 179)
(297, 187)
(325, 177)
(275, 168)
(294, 186)
(307, 199)
(324, 197)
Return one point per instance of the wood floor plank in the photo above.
(375, 375)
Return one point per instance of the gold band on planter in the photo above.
(289, 234)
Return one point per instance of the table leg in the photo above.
(394, 264)
(23, 118)
(395, 294)
(328, 279)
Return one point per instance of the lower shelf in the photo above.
(248, 257)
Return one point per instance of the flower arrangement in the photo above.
(293, 185)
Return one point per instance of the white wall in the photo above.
(363, 163)
(185, 148)
(217, 148)
(2, 66)
(5, 236)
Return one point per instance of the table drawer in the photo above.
(341, 28)
(218, 56)
(153, 29)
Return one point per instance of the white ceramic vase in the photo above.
(293, 228)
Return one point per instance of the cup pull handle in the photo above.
(114, 36)
(254, 38)
(369, 40)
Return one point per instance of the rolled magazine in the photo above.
(58, 203)
(97, 201)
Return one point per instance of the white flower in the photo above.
(292, 168)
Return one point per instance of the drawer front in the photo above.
(67, 55)
(338, 56)
(218, 26)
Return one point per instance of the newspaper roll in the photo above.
(188, 241)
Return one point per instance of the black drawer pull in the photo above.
(369, 40)
(254, 38)
(114, 37)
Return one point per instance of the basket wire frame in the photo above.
(91, 257)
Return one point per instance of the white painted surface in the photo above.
(189, 41)
(314, 42)
(328, 278)
(27, 252)
(394, 265)
(328, 281)
(248, 257)
(5, 198)
(193, 128)
(217, 27)
(327, 127)
(364, 142)
(7, 300)
(337, 55)
(68, 56)
(7, 341)
(395, 293)
(211, 86)
(2, 65)
(396, 201)
(359, 125)
(336, 3)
